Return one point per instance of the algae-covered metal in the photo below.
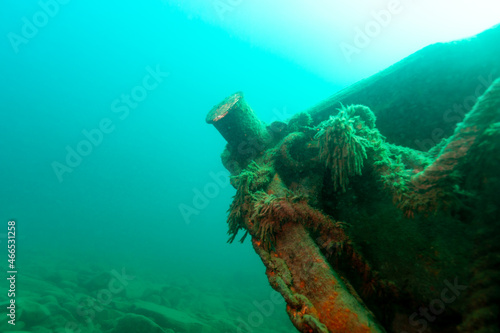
(360, 234)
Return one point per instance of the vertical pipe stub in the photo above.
(238, 124)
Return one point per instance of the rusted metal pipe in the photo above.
(318, 300)
(238, 124)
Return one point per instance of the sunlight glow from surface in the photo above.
(311, 33)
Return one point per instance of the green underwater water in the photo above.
(118, 207)
(114, 179)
